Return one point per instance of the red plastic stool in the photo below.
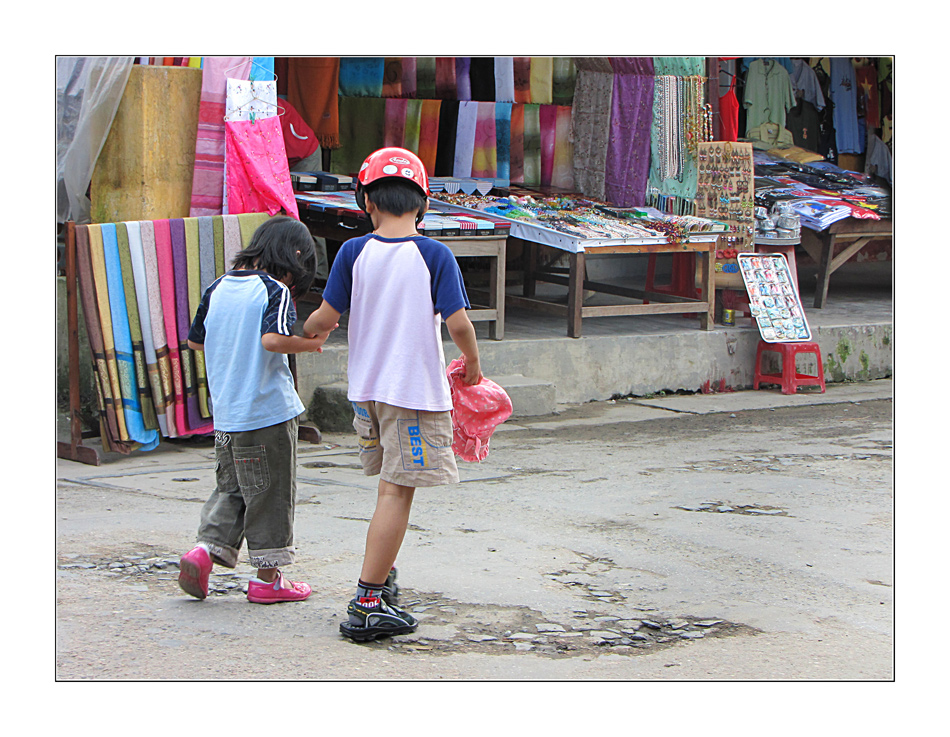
(789, 379)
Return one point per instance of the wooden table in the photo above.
(820, 245)
(575, 278)
(483, 246)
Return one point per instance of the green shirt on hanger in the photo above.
(768, 94)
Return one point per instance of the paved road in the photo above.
(742, 536)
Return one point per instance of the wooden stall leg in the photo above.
(824, 269)
(496, 289)
(74, 450)
(575, 294)
(707, 289)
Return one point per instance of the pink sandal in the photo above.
(261, 592)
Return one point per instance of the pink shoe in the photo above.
(260, 592)
(193, 572)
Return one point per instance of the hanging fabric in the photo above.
(485, 157)
(532, 145)
(729, 114)
(409, 77)
(504, 79)
(262, 69)
(425, 77)
(541, 79)
(522, 75)
(564, 74)
(463, 80)
(562, 174)
(395, 122)
(482, 78)
(360, 76)
(313, 87)
(547, 119)
(843, 92)
(445, 88)
(156, 394)
(142, 389)
(193, 256)
(411, 132)
(448, 134)
(207, 189)
(503, 139)
(465, 140)
(166, 283)
(392, 76)
(590, 120)
(632, 114)
(429, 121)
(516, 150)
(362, 131)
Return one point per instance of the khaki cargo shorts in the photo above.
(405, 446)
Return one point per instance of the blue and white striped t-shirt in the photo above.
(250, 387)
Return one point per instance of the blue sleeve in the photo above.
(197, 332)
(339, 286)
(280, 314)
(448, 288)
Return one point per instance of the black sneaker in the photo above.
(370, 619)
(390, 589)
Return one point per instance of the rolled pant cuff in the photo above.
(222, 554)
(272, 558)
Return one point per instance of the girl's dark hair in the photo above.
(396, 197)
(273, 248)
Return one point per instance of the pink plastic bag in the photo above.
(476, 412)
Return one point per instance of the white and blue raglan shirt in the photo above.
(250, 387)
(397, 291)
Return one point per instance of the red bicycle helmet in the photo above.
(392, 162)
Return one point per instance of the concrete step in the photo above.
(529, 397)
(331, 411)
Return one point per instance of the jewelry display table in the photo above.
(534, 237)
(820, 245)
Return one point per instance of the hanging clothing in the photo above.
(258, 176)
(313, 88)
(562, 172)
(521, 68)
(504, 79)
(843, 92)
(516, 144)
(362, 130)
(768, 94)
(804, 122)
(425, 77)
(429, 117)
(392, 76)
(868, 97)
(299, 139)
(482, 78)
(729, 114)
(465, 139)
(564, 74)
(503, 139)
(463, 80)
(531, 143)
(445, 88)
(361, 76)
(484, 155)
(542, 79)
(806, 85)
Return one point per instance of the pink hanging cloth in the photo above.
(476, 412)
(258, 175)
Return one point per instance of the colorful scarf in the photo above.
(547, 117)
(207, 188)
(137, 255)
(521, 69)
(362, 131)
(207, 269)
(166, 283)
(591, 123)
(562, 173)
(532, 145)
(262, 69)
(429, 118)
(542, 79)
(165, 402)
(448, 133)
(425, 77)
(361, 76)
(463, 80)
(516, 147)
(195, 290)
(258, 175)
(503, 139)
(248, 223)
(631, 119)
(233, 243)
(98, 259)
(563, 80)
(485, 155)
(392, 77)
(217, 228)
(413, 125)
(409, 73)
(143, 392)
(504, 79)
(482, 76)
(191, 413)
(395, 122)
(122, 340)
(108, 420)
(445, 88)
(465, 141)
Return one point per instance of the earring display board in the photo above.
(773, 299)
(725, 191)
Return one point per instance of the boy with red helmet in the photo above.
(398, 287)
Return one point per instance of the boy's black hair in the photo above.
(273, 248)
(397, 197)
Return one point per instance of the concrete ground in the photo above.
(735, 537)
